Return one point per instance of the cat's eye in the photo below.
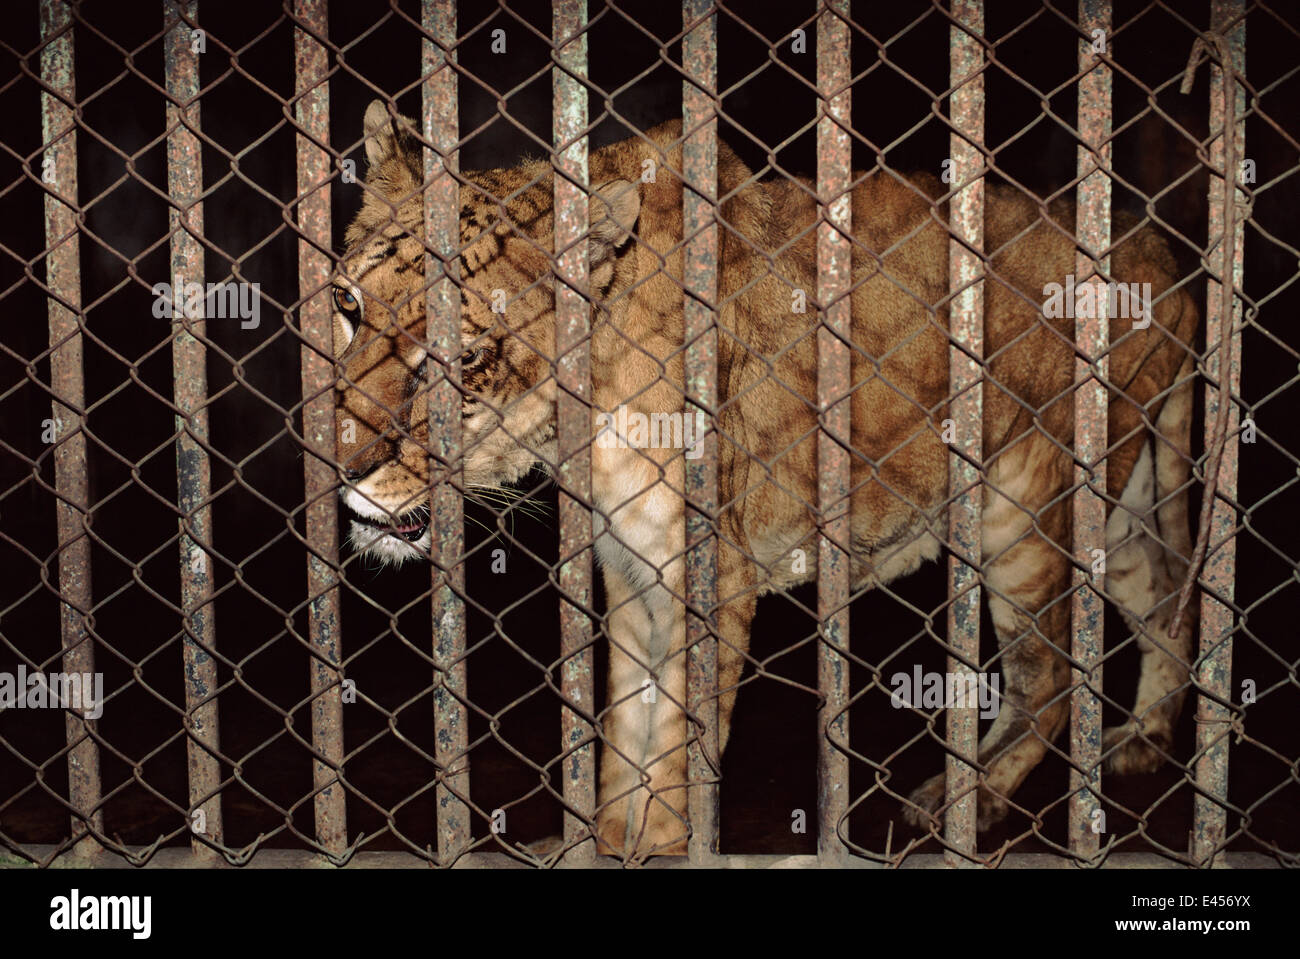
(347, 303)
(473, 358)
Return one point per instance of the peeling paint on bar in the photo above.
(193, 471)
(700, 278)
(441, 127)
(966, 325)
(1089, 508)
(67, 382)
(573, 372)
(1222, 323)
(834, 279)
(311, 66)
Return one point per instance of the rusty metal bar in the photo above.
(700, 279)
(311, 65)
(1091, 335)
(67, 382)
(441, 127)
(834, 278)
(966, 409)
(193, 470)
(1222, 361)
(573, 373)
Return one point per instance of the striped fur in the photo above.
(767, 430)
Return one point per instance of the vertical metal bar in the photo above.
(573, 373)
(1091, 334)
(193, 474)
(441, 126)
(966, 408)
(1223, 316)
(834, 278)
(320, 473)
(67, 381)
(700, 279)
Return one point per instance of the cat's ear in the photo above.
(386, 136)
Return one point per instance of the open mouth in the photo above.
(410, 528)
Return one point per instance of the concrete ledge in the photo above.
(183, 858)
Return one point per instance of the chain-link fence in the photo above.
(318, 438)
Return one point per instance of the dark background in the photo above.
(769, 109)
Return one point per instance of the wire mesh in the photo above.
(721, 340)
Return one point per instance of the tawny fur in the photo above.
(767, 428)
